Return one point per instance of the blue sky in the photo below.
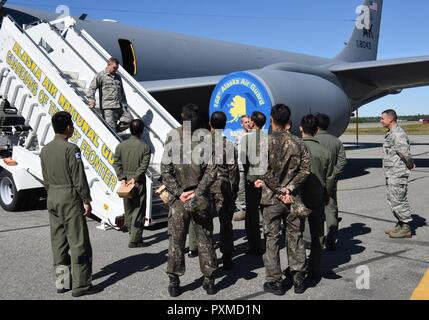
(307, 26)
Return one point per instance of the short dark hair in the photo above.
(137, 127)
(218, 120)
(190, 111)
(309, 124)
(113, 60)
(60, 121)
(258, 118)
(391, 113)
(323, 121)
(280, 114)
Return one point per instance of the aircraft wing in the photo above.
(179, 84)
(395, 74)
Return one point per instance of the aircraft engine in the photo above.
(258, 90)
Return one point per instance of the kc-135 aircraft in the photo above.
(177, 69)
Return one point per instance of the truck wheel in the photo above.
(10, 198)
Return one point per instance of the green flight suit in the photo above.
(314, 192)
(67, 187)
(132, 159)
(338, 157)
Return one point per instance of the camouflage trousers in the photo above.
(178, 225)
(221, 207)
(123, 115)
(273, 216)
(398, 201)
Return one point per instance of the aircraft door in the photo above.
(129, 59)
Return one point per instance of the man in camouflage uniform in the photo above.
(188, 175)
(338, 157)
(69, 203)
(287, 169)
(397, 163)
(315, 192)
(113, 102)
(223, 190)
(132, 159)
(254, 156)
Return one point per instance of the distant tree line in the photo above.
(377, 119)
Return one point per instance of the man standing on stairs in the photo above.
(397, 163)
(132, 159)
(69, 203)
(113, 102)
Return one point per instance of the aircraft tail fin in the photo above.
(363, 44)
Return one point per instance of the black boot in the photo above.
(298, 282)
(227, 262)
(193, 253)
(288, 275)
(140, 244)
(274, 288)
(209, 286)
(90, 291)
(174, 286)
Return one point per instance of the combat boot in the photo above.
(90, 291)
(193, 253)
(288, 275)
(227, 262)
(174, 287)
(61, 291)
(298, 282)
(396, 228)
(140, 244)
(274, 288)
(209, 286)
(404, 232)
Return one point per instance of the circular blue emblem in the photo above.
(239, 94)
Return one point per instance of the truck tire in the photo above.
(10, 198)
(13, 200)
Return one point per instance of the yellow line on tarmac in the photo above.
(422, 290)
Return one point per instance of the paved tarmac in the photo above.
(395, 267)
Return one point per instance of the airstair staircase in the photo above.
(47, 67)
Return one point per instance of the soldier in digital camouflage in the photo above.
(288, 168)
(188, 174)
(113, 102)
(397, 165)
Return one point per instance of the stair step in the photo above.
(80, 83)
(71, 75)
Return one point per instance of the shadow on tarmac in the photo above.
(126, 267)
(347, 246)
(418, 222)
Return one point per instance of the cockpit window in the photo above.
(129, 59)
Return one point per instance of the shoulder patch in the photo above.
(78, 155)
